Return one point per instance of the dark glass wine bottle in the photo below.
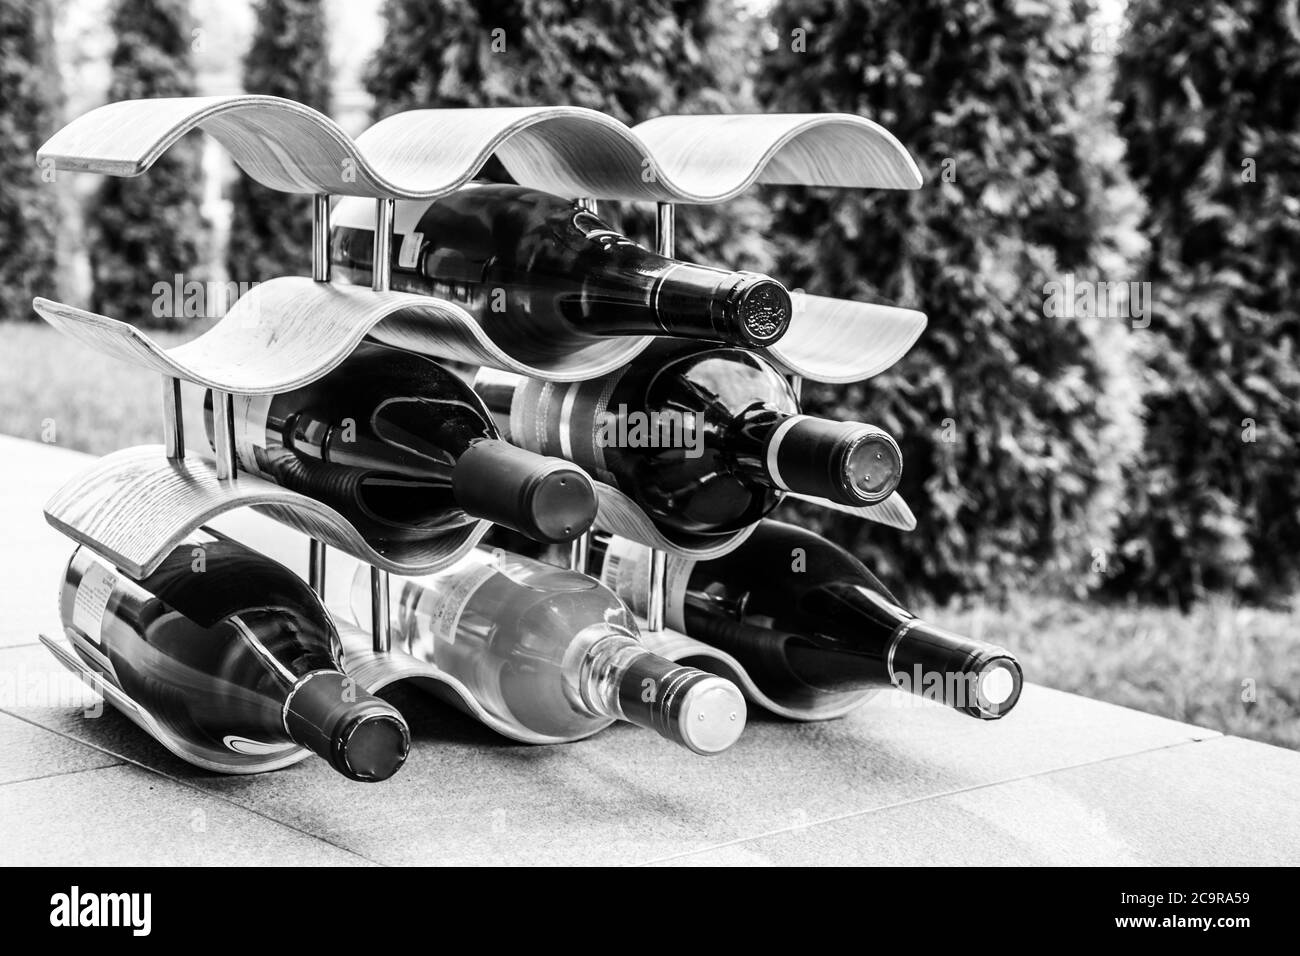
(229, 650)
(405, 450)
(704, 439)
(807, 619)
(542, 274)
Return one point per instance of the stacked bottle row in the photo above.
(226, 648)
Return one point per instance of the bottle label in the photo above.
(251, 413)
(91, 600)
(453, 590)
(626, 572)
(567, 420)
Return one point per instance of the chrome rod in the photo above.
(657, 603)
(656, 596)
(580, 552)
(223, 433)
(665, 229)
(379, 624)
(320, 237)
(381, 269)
(316, 554)
(173, 425)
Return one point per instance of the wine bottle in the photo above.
(228, 650)
(543, 275)
(554, 651)
(704, 439)
(808, 621)
(405, 450)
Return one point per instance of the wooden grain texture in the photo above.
(135, 506)
(421, 154)
(217, 760)
(618, 514)
(808, 706)
(893, 512)
(287, 332)
(839, 341)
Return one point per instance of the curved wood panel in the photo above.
(135, 506)
(839, 341)
(422, 154)
(287, 332)
(620, 515)
(803, 707)
(893, 512)
(719, 156)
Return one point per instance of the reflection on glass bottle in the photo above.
(552, 651)
(224, 648)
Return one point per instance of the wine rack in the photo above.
(135, 505)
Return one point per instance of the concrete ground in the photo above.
(1062, 780)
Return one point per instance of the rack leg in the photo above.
(580, 553)
(656, 600)
(173, 426)
(379, 622)
(316, 553)
(665, 245)
(665, 229)
(320, 238)
(223, 431)
(796, 385)
(382, 269)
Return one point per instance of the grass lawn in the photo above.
(54, 389)
(1193, 667)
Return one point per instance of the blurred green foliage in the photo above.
(270, 231)
(150, 228)
(1015, 424)
(630, 60)
(1210, 113)
(30, 101)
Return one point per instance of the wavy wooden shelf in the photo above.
(838, 341)
(287, 332)
(422, 154)
(795, 706)
(893, 512)
(620, 515)
(136, 505)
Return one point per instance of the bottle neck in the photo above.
(621, 680)
(850, 634)
(849, 463)
(362, 737)
(627, 289)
